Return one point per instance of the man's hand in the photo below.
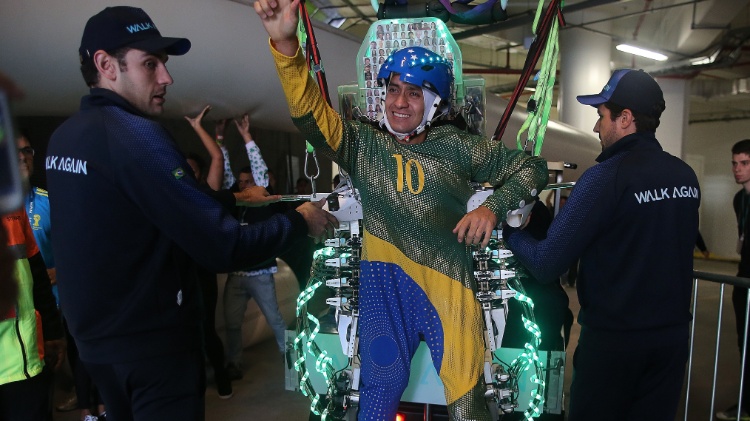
(255, 196)
(476, 227)
(320, 224)
(196, 121)
(243, 126)
(54, 353)
(52, 273)
(280, 18)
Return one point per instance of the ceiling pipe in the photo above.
(638, 25)
(631, 14)
(725, 53)
(619, 39)
(460, 35)
(739, 116)
(695, 26)
(526, 18)
(359, 12)
(493, 71)
(641, 18)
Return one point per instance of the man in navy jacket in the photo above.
(633, 221)
(129, 220)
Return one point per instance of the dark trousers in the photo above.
(211, 342)
(48, 376)
(627, 378)
(170, 387)
(25, 400)
(739, 302)
(86, 393)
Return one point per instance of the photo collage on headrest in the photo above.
(391, 36)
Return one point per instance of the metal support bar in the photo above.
(716, 356)
(744, 354)
(692, 341)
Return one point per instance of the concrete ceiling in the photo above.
(681, 29)
(230, 67)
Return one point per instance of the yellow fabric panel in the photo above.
(459, 313)
(303, 96)
(20, 356)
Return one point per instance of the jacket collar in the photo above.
(100, 97)
(640, 140)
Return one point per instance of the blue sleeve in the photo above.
(40, 223)
(152, 174)
(572, 231)
(44, 300)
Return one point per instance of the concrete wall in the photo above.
(708, 150)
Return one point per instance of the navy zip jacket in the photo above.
(633, 221)
(129, 217)
(741, 203)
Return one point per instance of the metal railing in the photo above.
(723, 280)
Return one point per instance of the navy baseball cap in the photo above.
(632, 89)
(125, 26)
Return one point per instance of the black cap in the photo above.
(632, 89)
(125, 26)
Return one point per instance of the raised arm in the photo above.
(257, 164)
(280, 19)
(228, 180)
(216, 166)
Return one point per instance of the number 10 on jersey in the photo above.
(408, 169)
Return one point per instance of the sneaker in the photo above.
(223, 384)
(90, 418)
(234, 372)
(68, 404)
(225, 390)
(730, 414)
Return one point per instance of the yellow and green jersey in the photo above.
(416, 279)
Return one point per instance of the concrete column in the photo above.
(584, 69)
(672, 130)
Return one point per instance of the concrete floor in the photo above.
(262, 395)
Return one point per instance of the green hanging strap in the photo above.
(541, 101)
(552, 13)
(306, 36)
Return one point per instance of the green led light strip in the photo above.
(530, 356)
(308, 327)
(304, 342)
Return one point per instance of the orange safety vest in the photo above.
(20, 331)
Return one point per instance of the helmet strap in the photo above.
(431, 107)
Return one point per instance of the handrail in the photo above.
(723, 280)
(727, 279)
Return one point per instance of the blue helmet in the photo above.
(419, 66)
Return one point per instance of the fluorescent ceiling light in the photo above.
(701, 60)
(704, 60)
(641, 52)
(337, 22)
